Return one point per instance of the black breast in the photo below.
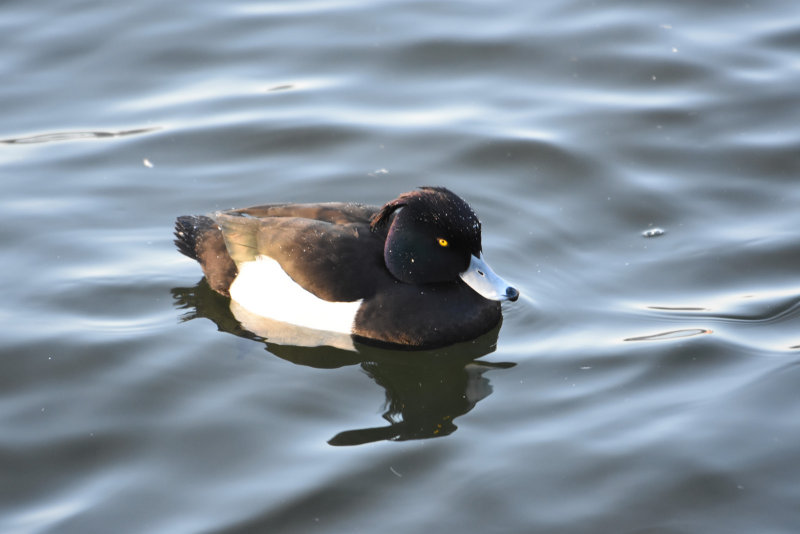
(425, 316)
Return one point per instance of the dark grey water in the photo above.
(644, 384)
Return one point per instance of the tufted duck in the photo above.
(410, 273)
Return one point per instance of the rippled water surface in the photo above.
(635, 166)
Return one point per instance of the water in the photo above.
(642, 384)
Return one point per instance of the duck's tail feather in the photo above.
(200, 238)
(187, 228)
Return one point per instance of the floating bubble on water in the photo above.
(653, 232)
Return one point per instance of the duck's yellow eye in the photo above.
(443, 242)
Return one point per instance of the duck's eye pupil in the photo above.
(443, 242)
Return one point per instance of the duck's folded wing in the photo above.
(332, 212)
(335, 262)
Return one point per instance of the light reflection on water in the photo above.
(639, 383)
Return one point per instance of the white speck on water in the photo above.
(653, 232)
(395, 473)
(147, 163)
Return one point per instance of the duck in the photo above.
(408, 274)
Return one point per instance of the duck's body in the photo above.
(398, 274)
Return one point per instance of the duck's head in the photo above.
(434, 237)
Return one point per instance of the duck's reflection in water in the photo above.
(425, 390)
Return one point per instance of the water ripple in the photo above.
(54, 137)
(672, 334)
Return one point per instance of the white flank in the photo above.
(264, 289)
